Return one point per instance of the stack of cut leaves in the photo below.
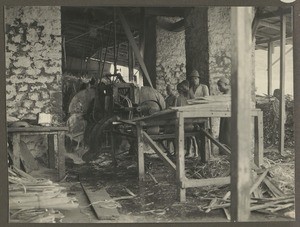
(265, 197)
(36, 200)
(265, 104)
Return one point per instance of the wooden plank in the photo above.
(134, 46)
(258, 181)
(192, 183)
(16, 149)
(172, 136)
(259, 139)
(273, 188)
(180, 165)
(27, 158)
(158, 151)
(97, 199)
(241, 99)
(37, 129)
(217, 143)
(282, 82)
(141, 161)
(270, 82)
(276, 13)
(269, 25)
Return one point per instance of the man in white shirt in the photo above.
(197, 90)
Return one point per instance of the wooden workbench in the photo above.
(56, 144)
(179, 117)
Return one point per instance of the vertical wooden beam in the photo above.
(130, 63)
(61, 153)
(241, 103)
(51, 150)
(282, 82)
(134, 46)
(270, 52)
(141, 164)
(180, 165)
(296, 56)
(259, 139)
(16, 140)
(142, 32)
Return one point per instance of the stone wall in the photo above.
(33, 61)
(196, 35)
(219, 41)
(170, 56)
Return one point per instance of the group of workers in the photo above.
(194, 89)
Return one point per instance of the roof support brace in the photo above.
(134, 45)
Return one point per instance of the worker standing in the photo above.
(225, 122)
(183, 91)
(197, 89)
(171, 99)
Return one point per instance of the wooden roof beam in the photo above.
(273, 39)
(276, 13)
(269, 25)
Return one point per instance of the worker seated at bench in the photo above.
(190, 142)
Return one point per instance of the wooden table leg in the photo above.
(203, 147)
(208, 147)
(61, 155)
(112, 146)
(259, 139)
(180, 165)
(16, 140)
(52, 150)
(141, 161)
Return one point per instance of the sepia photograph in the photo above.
(150, 114)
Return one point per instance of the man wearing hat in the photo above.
(197, 90)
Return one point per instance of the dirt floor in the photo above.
(157, 202)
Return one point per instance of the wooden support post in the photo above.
(270, 52)
(16, 149)
(296, 56)
(130, 63)
(141, 164)
(134, 46)
(240, 108)
(142, 33)
(203, 147)
(113, 148)
(282, 82)
(61, 155)
(52, 150)
(259, 139)
(180, 165)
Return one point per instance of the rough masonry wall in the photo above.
(170, 56)
(219, 40)
(33, 61)
(196, 33)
